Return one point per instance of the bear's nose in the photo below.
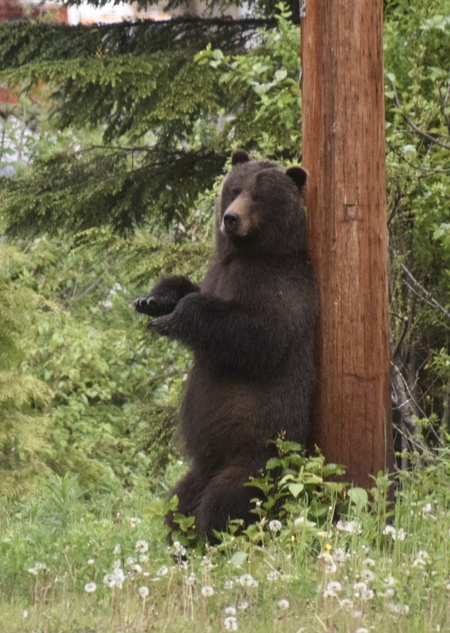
(231, 221)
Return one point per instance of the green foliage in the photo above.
(295, 480)
(22, 396)
(418, 141)
(115, 387)
(266, 79)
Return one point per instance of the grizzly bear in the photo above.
(251, 327)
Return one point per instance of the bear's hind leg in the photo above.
(189, 492)
(226, 498)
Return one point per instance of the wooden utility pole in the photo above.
(344, 153)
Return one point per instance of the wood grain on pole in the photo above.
(344, 153)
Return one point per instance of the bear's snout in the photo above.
(231, 222)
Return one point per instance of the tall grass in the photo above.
(71, 564)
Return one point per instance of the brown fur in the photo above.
(251, 328)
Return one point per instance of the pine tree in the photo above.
(158, 122)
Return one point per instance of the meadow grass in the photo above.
(81, 567)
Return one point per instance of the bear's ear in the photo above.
(298, 175)
(239, 156)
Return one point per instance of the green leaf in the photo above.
(359, 497)
(238, 559)
(296, 489)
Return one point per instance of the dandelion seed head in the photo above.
(328, 560)
(207, 591)
(396, 535)
(332, 589)
(136, 568)
(115, 579)
(367, 595)
(191, 579)
(206, 563)
(273, 576)
(346, 603)
(369, 562)
(359, 588)
(230, 623)
(352, 527)
(275, 526)
(229, 611)
(367, 575)
(134, 521)
(398, 609)
(162, 571)
(228, 584)
(24, 614)
(143, 592)
(141, 546)
(283, 604)
(243, 605)
(90, 587)
(340, 555)
(247, 580)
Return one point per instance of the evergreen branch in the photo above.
(24, 42)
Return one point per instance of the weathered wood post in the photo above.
(344, 152)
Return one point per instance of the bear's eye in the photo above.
(258, 196)
(235, 193)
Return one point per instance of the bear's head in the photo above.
(261, 207)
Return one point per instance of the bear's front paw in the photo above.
(154, 305)
(163, 325)
(165, 296)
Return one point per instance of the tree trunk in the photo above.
(344, 152)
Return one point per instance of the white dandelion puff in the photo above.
(352, 527)
(162, 571)
(141, 546)
(230, 623)
(332, 589)
(275, 526)
(143, 592)
(283, 604)
(369, 562)
(247, 580)
(367, 575)
(359, 588)
(396, 535)
(229, 611)
(90, 587)
(207, 591)
(398, 609)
